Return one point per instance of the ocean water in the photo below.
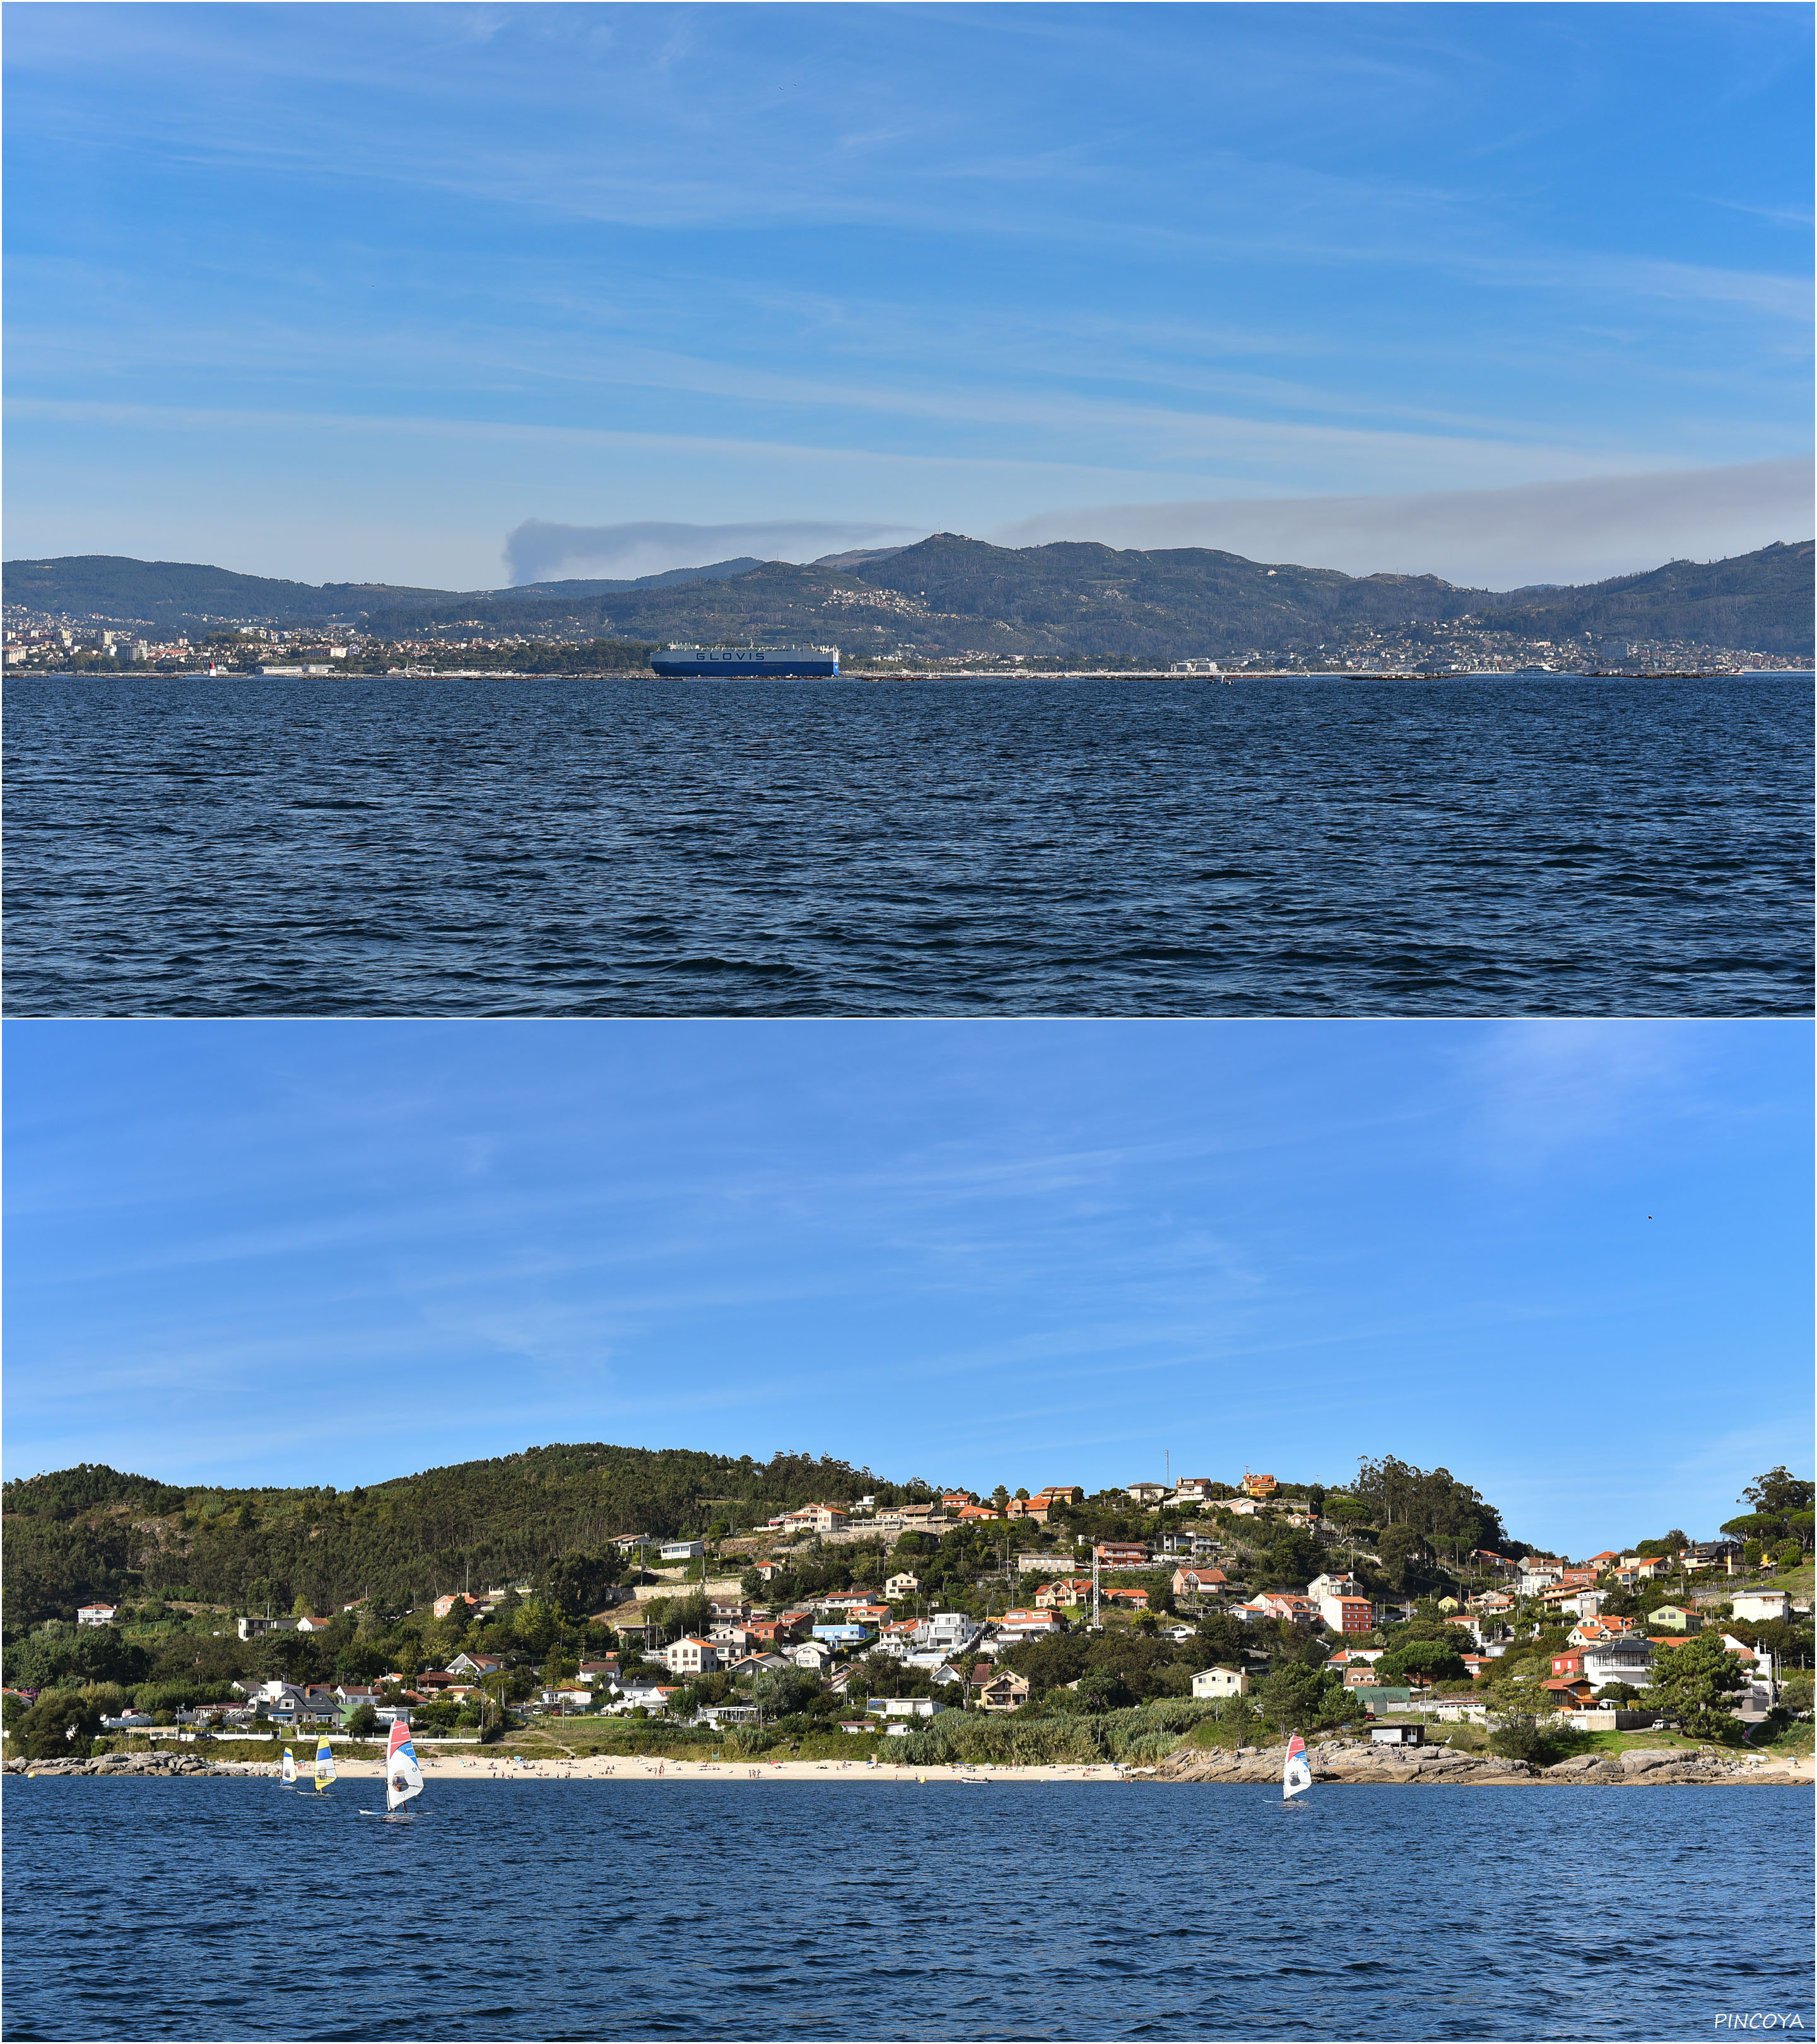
(858, 1909)
(1307, 847)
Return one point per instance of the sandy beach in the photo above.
(617, 1768)
(1333, 1761)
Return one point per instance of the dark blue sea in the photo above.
(229, 1909)
(1311, 846)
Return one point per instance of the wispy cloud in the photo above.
(539, 551)
(1581, 529)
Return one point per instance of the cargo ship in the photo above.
(747, 660)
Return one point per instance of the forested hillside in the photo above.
(949, 596)
(1761, 601)
(179, 594)
(94, 1533)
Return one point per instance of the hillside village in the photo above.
(1260, 1604)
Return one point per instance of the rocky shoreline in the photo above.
(160, 1764)
(1357, 1760)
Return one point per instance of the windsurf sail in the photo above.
(1298, 1774)
(403, 1777)
(289, 1770)
(324, 1764)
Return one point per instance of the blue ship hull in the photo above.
(785, 661)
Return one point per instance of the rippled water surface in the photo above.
(1307, 847)
(218, 1909)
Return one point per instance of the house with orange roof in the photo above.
(1029, 1623)
(1200, 1582)
(1002, 1691)
(691, 1655)
(1063, 1595)
(1347, 1614)
(1301, 1610)
(979, 1511)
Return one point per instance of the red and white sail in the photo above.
(403, 1777)
(1298, 1773)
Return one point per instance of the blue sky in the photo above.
(1565, 1260)
(357, 291)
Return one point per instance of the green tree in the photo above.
(1294, 1559)
(57, 1725)
(1523, 1736)
(1298, 1697)
(1691, 1683)
(578, 1582)
(1221, 1636)
(362, 1721)
(1402, 1550)
(359, 1660)
(1430, 1660)
(536, 1626)
(1780, 1491)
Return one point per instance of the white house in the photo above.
(1762, 1604)
(812, 1655)
(946, 1632)
(1148, 1493)
(1622, 1659)
(901, 1586)
(904, 1707)
(682, 1550)
(641, 1692)
(1200, 1582)
(1220, 1682)
(96, 1614)
(1324, 1586)
(691, 1656)
(1028, 1623)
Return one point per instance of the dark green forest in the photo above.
(93, 1532)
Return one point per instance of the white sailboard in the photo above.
(289, 1769)
(1296, 1776)
(403, 1777)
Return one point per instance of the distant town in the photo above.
(1158, 1604)
(61, 644)
(946, 605)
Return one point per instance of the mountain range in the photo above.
(948, 595)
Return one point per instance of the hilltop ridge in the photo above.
(948, 596)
